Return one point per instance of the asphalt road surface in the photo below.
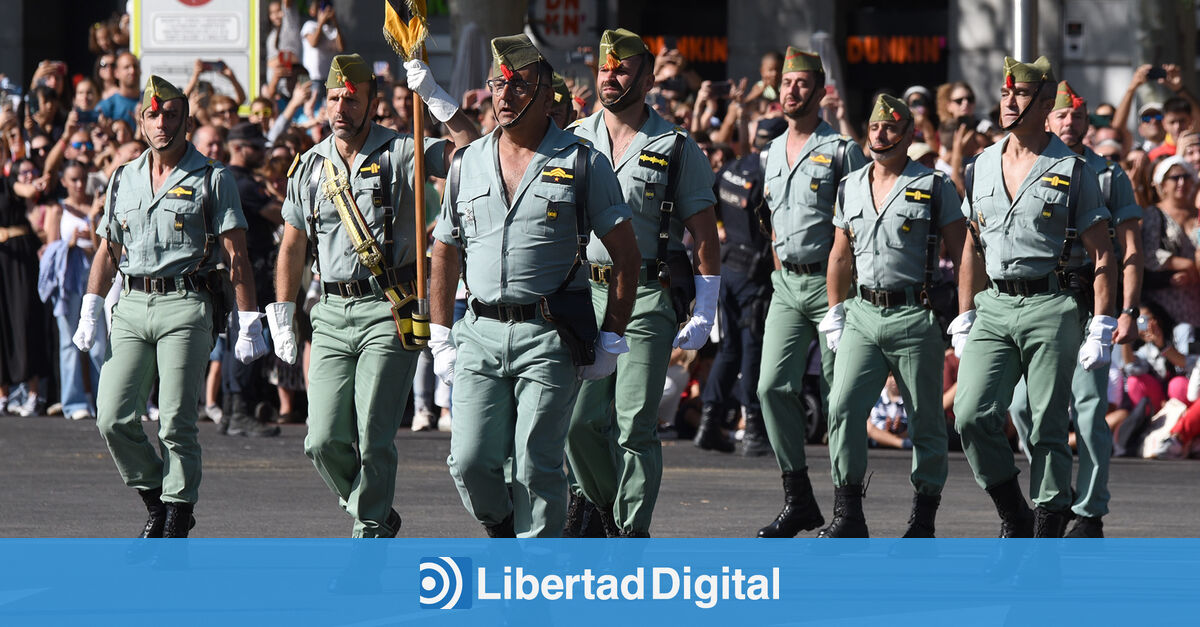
(59, 481)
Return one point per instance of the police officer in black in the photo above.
(746, 266)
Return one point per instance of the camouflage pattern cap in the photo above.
(890, 109)
(618, 45)
(797, 60)
(512, 53)
(1066, 98)
(1036, 72)
(158, 91)
(561, 93)
(346, 70)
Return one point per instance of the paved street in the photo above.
(59, 481)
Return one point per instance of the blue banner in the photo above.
(598, 582)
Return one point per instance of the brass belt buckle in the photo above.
(157, 285)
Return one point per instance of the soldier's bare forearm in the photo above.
(703, 227)
(443, 282)
(289, 264)
(240, 274)
(837, 275)
(1130, 232)
(1098, 245)
(104, 266)
(622, 291)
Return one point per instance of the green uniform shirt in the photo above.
(801, 197)
(163, 232)
(1023, 238)
(517, 253)
(890, 244)
(335, 252)
(642, 172)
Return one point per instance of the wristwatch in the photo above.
(1132, 311)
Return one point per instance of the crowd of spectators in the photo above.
(63, 135)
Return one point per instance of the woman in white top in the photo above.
(72, 220)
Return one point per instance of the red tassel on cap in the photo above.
(896, 115)
(1009, 82)
(155, 104)
(350, 87)
(506, 71)
(1076, 102)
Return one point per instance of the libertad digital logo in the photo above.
(443, 582)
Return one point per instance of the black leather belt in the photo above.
(362, 287)
(164, 285)
(884, 298)
(1024, 288)
(504, 312)
(804, 268)
(603, 274)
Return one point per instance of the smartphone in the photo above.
(1156, 73)
(382, 68)
(670, 42)
(720, 89)
(87, 117)
(213, 66)
(581, 56)
(1143, 325)
(97, 183)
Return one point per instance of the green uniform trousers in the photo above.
(797, 306)
(358, 383)
(1038, 337)
(907, 342)
(613, 446)
(1093, 437)
(514, 387)
(169, 335)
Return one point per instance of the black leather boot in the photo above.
(1016, 519)
(1086, 527)
(179, 520)
(709, 436)
(573, 528)
(800, 510)
(504, 529)
(158, 513)
(393, 523)
(848, 519)
(754, 440)
(242, 423)
(609, 522)
(924, 510)
(1049, 524)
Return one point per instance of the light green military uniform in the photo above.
(801, 197)
(890, 247)
(1089, 389)
(514, 382)
(613, 445)
(170, 334)
(360, 374)
(1037, 336)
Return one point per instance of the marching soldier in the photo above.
(518, 210)
(350, 198)
(803, 169)
(1032, 201)
(890, 220)
(746, 266)
(168, 215)
(613, 445)
(1089, 388)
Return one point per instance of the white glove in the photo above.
(694, 334)
(250, 343)
(91, 311)
(1096, 351)
(279, 319)
(832, 325)
(608, 346)
(444, 353)
(960, 329)
(420, 80)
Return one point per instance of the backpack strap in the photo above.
(839, 160)
(454, 178)
(314, 215)
(582, 229)
(932, 239)
(385, 198)
(210, 238)
(667, 207)
(1071, 233)
(969, 188)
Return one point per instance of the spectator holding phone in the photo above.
(320, 38)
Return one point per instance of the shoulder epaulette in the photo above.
(583, 141)
(680, 130)
(292, 168)
(575, 123)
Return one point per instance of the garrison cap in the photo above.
(619, 44)
(512, 53)
(889, 109)
(561, 93)
(346, 70)
(1066, 98)
(797, 60)
(1036, 72)
(158, 91)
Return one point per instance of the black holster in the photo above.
(220, 288)
(572, 314)
(1081, 283)
(682, 285)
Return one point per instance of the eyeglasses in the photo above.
(261, 112)
(380, 118)
(27, 173)
(41, 150)
(1177, 178)
(963, 100)
(519, 86)
(84, 145)
(104, 64)
(223, 111)
(1152, 117)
